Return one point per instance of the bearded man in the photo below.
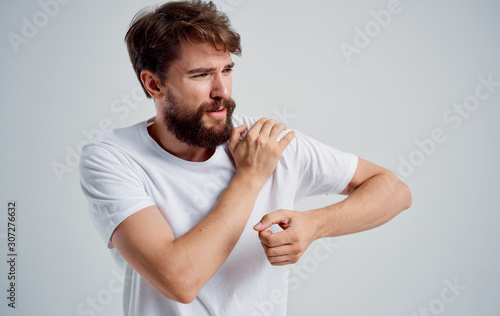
(185, 201)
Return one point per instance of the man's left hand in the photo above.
(287, 246)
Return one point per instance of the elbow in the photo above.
(185, 298)
(180, 295)
(180, 288)
(401, 191)
(408, 197)
(405, 193)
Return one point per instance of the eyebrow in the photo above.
(211, 69)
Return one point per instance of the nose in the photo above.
(221, 87)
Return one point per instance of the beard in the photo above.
(188, 126)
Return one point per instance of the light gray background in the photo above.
(72, 74)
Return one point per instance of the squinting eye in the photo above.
(228, 70)
(200, 75)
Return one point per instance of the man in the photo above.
(186, 201)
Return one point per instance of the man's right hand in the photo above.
(258, 153)
(178, 268)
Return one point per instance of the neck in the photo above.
(159, 132)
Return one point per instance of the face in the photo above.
(197, 107)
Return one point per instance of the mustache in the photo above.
(229, 104)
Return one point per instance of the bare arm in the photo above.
(376, 195)
(179, 268)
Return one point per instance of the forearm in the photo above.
(179, 267)
(200, 252)
(373, 203)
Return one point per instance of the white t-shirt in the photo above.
(124, 170)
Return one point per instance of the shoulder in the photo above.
(239, 119)
(114, 144)
(118, 136)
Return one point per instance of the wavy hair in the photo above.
(155, 36)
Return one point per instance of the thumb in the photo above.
(277, 217)
(236, 136)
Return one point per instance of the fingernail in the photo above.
(258, 225)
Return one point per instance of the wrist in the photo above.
(326, 221)
(317, 221)
(249, 180)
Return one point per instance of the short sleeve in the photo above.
(113, 188)
(322, 169)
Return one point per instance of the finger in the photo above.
(287, 139)
(276, 239)
(276, 131)
(288, 236)
(236, 136)
(270, 219)
(267, 127)
(280, 250)
(283, 263)
(255, 130)
(282, 260)
(264, 238)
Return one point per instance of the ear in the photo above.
(152, 84)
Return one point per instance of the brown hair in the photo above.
(154, 37)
